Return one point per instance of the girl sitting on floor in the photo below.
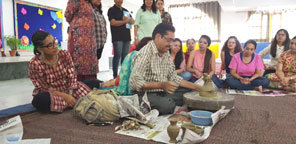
(177, 57)
(285, 76)
(246, 68)
(53, 74)
(203, 61)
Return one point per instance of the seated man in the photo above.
(154, 73)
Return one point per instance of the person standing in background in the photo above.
(147, 18)
(165, 16)
(120, 23)
(82, 15)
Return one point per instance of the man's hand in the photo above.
(125, 19)
(169, 87)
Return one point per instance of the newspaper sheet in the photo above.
(159, 132)
(11, 132)
(257, 93)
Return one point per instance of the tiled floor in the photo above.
(19, 91)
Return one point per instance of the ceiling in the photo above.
(240, 5)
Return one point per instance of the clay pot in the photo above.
(12, 53)
(173, 131)
(198, 130)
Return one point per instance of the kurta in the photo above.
(62, 78)
(82, 41)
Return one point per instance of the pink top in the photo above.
(198, 61)
(244, 69)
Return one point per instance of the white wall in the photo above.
(234, 24)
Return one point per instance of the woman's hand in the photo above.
(245, 81)
(198, 74)
(70, 100)
(285, 81)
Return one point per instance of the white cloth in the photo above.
(273, 60)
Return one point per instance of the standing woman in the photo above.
(279, 44)
(165, 16)
(87, 30)
(147, 18)
(230, 47)
(203, 61)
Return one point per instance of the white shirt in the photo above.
(273, 60)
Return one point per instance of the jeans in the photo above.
(186, 75)
(121, 49)
(236, 84)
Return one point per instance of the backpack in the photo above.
(98, 106)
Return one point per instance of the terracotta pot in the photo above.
(173, 131)
(12, 53)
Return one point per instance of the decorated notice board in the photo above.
(30, 17)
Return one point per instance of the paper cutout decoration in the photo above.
(23, 11)
(26, 26)
(40, 12)
(54, 26)
(59, 14)
(53, 15)
(41, 29)
(25, 40)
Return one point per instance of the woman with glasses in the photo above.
(53, 74)
(279, 44)
(203, 61)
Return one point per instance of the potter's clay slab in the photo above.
(194, 101)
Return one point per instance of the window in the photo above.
(194, 20)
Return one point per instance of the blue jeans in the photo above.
(185, 75)
(121, 49)
(219, 83)
(236, 84)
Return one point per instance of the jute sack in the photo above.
(98, 106)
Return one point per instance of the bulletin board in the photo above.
(30, 17)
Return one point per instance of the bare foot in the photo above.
(259, 88)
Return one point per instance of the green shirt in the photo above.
(146, 22)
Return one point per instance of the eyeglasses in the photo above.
(53, 44)
(169, 40)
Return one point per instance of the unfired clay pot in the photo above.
(173, 131)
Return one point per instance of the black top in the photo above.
(228, 58)
(119, 33)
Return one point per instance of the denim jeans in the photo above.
(236, 84)
(121, 49)
(185, 75)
